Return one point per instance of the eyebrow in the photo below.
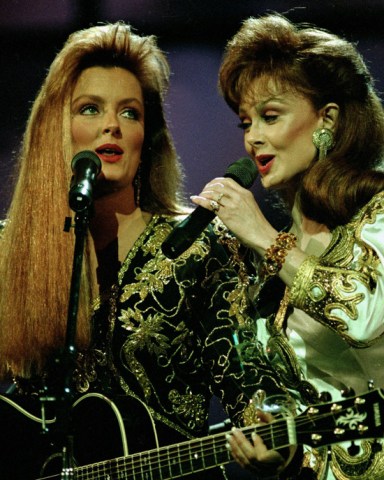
(97, 98)
(264, 102)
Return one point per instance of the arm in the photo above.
(241, 214)
(236, 363)
(343, 288)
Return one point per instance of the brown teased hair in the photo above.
(324, 68)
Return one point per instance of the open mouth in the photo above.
(264, 160)
(109, 151)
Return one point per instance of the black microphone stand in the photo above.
(65, 362)
(86, 166)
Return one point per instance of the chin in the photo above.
(268, 182)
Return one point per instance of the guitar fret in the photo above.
(164, 463)
(214, 453)
(291, 429)
(179, 461)
(196, 455)
(190, 456)
(159, 464)
(122, 473)
(202, 454)
(272, 436)
(330, 424)
(145, 464)
(173, 462)
(132, 468)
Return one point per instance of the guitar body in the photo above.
(100, 432)
(108, 445)
(22, 445)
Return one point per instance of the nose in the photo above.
(111, 125)
(254, 142)
(254, 137)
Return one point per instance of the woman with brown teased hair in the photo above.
(314, 125)
(154, 335)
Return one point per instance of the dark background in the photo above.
(193, 33)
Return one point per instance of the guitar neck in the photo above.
(184, 458)
(354, 418)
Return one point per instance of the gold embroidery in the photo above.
(238, 301)
(155, 240)
(282, 312)
(316, 460)
(238, 297)
(145, 334)
(151, 279)
(327, 285)
(367, 465)
(85, 371)
(145, 315)
(122, 382)
(189, 406)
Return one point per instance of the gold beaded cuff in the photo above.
(299, 290)
(275, 255)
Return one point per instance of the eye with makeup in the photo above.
(131, 113)
(244, 124)
(269, 118)
(269, 114)
(88, 109)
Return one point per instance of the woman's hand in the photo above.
(238, 210)
(255, 456)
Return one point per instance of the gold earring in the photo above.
(137, 186)
(323, 140)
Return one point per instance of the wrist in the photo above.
(276, 253)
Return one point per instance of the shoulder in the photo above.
(370, 218)
(371, 209)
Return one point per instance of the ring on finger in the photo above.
(220, 197)
(215, 206)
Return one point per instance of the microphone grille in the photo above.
(86, 155)
(243, 171)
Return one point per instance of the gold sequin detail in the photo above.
(367, 465)
(324, 286)
(189, 406)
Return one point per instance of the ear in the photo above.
(329, 115)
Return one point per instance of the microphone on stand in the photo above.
(86, 166)
(244, 172)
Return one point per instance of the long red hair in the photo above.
(36, 255)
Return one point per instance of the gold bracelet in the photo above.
(275, 255)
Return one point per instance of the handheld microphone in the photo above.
(85, 166)
(244, 172)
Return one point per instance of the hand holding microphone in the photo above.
(244, 172)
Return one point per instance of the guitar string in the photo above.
(185, 451)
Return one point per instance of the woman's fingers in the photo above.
(255, 455)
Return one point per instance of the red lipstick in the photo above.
(264, 163)
(109, 152)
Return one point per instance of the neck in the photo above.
(115, 226)
(111, 211)
(313, 237)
